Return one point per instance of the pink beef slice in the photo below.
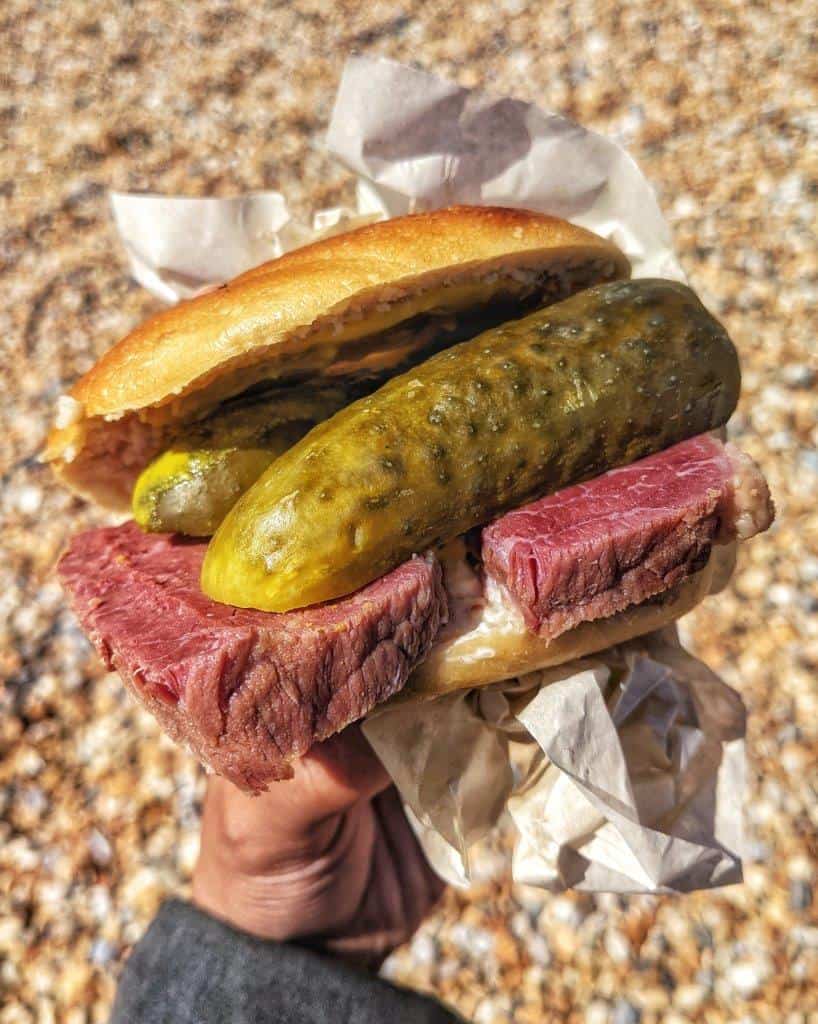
(592, 550)
(247, 691)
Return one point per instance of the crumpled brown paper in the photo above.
(623, 771)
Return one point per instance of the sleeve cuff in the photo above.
(190, 968)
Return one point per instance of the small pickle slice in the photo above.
(604, 378)
(192, 485)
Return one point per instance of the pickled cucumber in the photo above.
(604, 378)
(191, 492)
(192, 485)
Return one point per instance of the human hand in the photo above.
(327, 859)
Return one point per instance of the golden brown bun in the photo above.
(498, 645)
(298, 314)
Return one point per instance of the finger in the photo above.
(328, 781)
(344, 769)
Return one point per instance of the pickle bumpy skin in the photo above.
(191, 492)
(192, 486)
(610, 375)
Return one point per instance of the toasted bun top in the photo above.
(301, 312)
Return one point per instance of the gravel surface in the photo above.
(98, 812)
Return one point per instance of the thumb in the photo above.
(300, 813)
(340, 771)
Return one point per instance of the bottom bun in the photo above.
(487, 641)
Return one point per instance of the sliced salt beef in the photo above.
(592, 550)
(246, 691)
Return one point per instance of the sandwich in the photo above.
(432, 453)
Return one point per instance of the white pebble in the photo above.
(776, 397)
(482, 943)
(22, 856)
(565, 911)
(538, 950)
(424, 949)
(99, 848)
(596, 43)
(50, 596)
(34, 800)
(187, 852)
(520, 924)
(748, 977)
(448, 970)
(99, 902)
(533, 899)
(46, 686)
(102, 951)
(780, 441)
(685, 206)
(805, 936)
(160, 786)
(514, 7)
(808, 569)
(809, 460)
(797, 375)
(9, 974)
(487, 1012)
(625, 1013)
(488, 865)
(800, 868)
(793, 760)
(689, 997)
(26, 620)
(30, 763)
(45, 1011)
(52, 892)
(790, 189)
(29, 499)
(597, 1012)
(617, 946)
(10, 932)
(758, 852)
(781, 595)
(390, 969)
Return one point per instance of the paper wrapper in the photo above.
(624, 771)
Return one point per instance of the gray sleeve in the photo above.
(190, 968)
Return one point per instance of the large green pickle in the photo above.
(610, 375)
(194, 483)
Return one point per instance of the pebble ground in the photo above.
(98, 813)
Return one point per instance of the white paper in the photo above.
(630, 786)
(422, 142)
(632, 777)
(180, 246)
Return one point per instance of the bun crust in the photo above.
(252, 314)
(296, 311)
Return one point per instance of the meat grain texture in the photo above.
(592, 550)
(100, 810)
(246, 691)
